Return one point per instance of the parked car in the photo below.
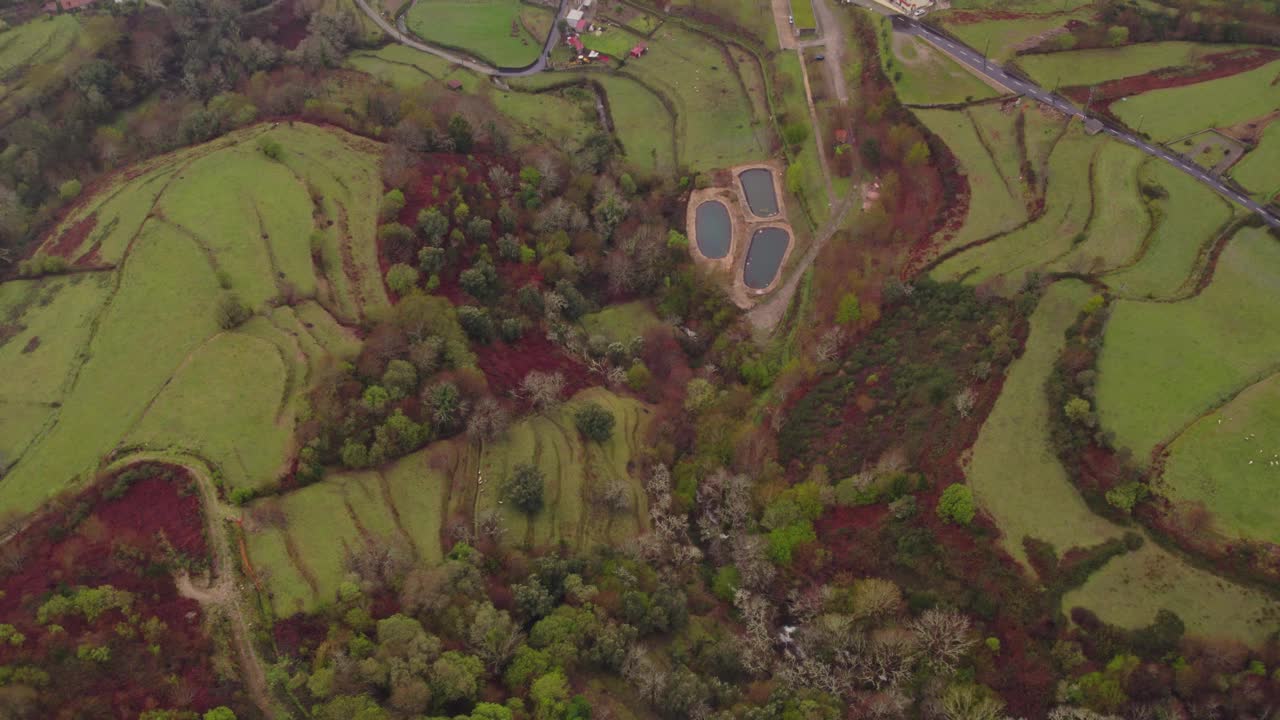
(819, 57)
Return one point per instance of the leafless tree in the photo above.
(943, 638)
(543, 390)
(493, 636)
(875, 598)
(964, 402)
(489, 525)
(755, 571)
(501, 180)
(828, 347)
(724, 505)
(969, 702)
(643, 674)
(886, 660)
(488, 420)
(1070, 712)
(757, 614)
(381, 563)
(615, 496)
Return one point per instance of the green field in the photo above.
(1259, 170)
(755, 17)
(131, 356)
(1164, 364)
(922, 75)
(489, 29)
(1000, 39)
(715, 123)
(1228, 462)
(407, 501)
(802, 13)
(1186, 221)
(642, 123)
(1038, 499)
(996, 194)
(1091, 67)
(303, 559)
(1068, 208)
(1120, 220)
(621, 323)
(614, 42)
(1177, 112)
(574, 470)
(35, 42)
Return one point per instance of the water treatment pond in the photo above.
(713, 230)
(764, 256)
(757, 185)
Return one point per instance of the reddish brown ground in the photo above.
(132, 543)
(506, 365)
(74, 237)
(1211, 67)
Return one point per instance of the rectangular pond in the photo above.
(757, 185)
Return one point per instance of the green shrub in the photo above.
(525, 487)
(956, 504)
(850, 310)
(401, 278)
(232, 312)
(271, 149)
(784, 540)
(392, 204)
(39, 265)
(69, 190)
(594, 422)
(476, 323)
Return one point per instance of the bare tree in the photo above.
(943, 638)
(643, 674)
(501, 180)
(488, 420)
(543, 390)
(969, 702)
(493, 636)
(828, 347)
(755, 571)
(964, 402)
(757, 615)
(724, 503)
(489, 525)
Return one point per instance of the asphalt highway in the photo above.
(1015, 84)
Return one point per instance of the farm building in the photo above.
(914, 8)
(639, 50)
(802, 18)
(68, 5)
(454, 85)
(573, 16)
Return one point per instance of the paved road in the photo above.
(401, 35)
(987, 68)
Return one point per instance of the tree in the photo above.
(956, 504)
(493, 636)
(594, 422)
(970, 702)
(433, 225)
(271, 148)
(871, 152)
(918, 153)
(392, 204)
(795, 133)
(402, 278)
(550, 695)
(476, 323)
(849, 310)
(1077, 409)
(480, 281)
(488, 420)
(232, 312)
(461, 134)
(400, 378)
(543, 390)
(524, 488)
(795, 177)
(222, 712)
(943, 638)
(69, 190)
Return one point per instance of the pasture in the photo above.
(130, 356)
(996, 194)
(1186, 220)
(1068, 209)
(299, 541)
(924, 75)
(1120, 221)
(1163, 365)
(1095, 66)
(716, 125)
(1259, 170)
(488, 29)
(621, 323)
(1173, 113)
(1038, 500)
(1001, 39)
(1228, 461)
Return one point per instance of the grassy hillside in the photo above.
(488, 29)
(131, 354)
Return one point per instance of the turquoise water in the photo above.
(713, 229)
(757, 185)
(764, 256)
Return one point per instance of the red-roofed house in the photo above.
(639, 50)
(67, 5)
(576, 43)
(842, 136)
(582, 25)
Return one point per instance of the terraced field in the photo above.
(299, 541)
(128, 354)
(38, 54)
(1165, 364)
